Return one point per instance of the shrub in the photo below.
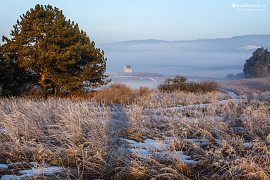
(119, 94)
(180, 83)
(173, 84)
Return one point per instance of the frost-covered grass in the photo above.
(150, 138)
(229, 140)
(59, 132)
(179, 98)
(249, 86)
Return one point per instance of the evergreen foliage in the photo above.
(55, 51)
(12, 78)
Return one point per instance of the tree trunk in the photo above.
(43, 76)
(56, 90)
(42, 80)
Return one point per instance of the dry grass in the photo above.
(249, 86)
(59, 132)
(85, 136)
(237, 136)
(158, 99)
(119, 94)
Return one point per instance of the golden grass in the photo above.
(85, 136)
(119, 94)
(59, 132)
(248, 86)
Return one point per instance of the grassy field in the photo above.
(249, 85)
(176, 135)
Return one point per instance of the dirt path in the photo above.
(231, 93)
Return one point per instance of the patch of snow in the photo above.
(42, 171)
(158, 149)
(11, 177)
(148, 143)
(248, 145)
(14, 177)
(3, 130)
(3, 166)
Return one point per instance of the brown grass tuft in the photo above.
(119, 94)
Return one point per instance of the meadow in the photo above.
(152, 135)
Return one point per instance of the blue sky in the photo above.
(120, 20)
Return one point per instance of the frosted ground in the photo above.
(219, 135)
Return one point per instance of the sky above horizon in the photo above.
(122, 20)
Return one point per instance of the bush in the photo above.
(119, 94)
(173, 84)
(180, 83)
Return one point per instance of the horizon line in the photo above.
(198, 39)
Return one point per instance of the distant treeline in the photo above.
(236, 76)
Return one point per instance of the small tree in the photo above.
(55, 50)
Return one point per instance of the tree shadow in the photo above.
(118, 160)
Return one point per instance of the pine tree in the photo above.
(55, 50)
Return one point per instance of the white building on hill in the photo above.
(127, 69)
